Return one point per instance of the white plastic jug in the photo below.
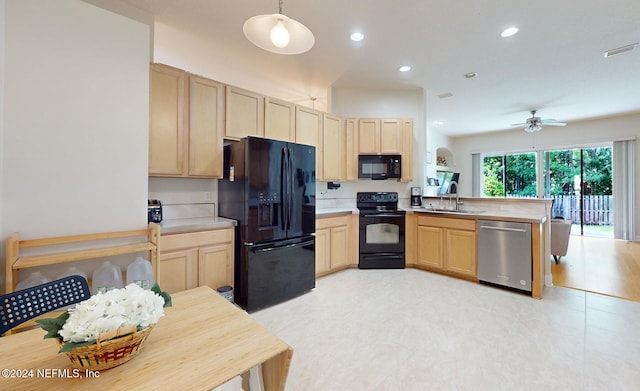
(140, 272)
(35, 278)
(106, 278)
(73, 271)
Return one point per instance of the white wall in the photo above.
(76, 101)
(195, 54)
(383, 103)
(2, 56)
(578, 134)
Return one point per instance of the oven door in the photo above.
(382, 236)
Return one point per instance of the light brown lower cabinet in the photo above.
(336, 243)
(447, 244)
(195, 259)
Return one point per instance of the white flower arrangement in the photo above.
(129, 306)
(104, 312)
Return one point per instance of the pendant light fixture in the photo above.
(277, 33)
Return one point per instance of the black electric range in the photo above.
(382, 231)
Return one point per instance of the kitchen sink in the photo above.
(459, 211)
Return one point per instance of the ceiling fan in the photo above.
(534, 123)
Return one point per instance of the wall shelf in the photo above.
(14, 262)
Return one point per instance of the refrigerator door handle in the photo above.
(291, 186)
(287, 205)
(301, 244)
(283, 189)
(292, 245)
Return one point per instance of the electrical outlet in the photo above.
(207, 196)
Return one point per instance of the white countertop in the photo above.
(330, 211)
(479, 214)
(174, 226)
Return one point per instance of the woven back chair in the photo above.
(20, 306)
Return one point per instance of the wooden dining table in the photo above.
(200, 343)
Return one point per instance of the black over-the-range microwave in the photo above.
(379, 166)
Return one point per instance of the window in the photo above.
(511, 175)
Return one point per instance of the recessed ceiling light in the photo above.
(509, 32)
(439, 123)
(356, 37)
(471, 75)
(405, 68)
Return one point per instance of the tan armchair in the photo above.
(560, 232)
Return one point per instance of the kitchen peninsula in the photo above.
(459, 229)
(425, 227)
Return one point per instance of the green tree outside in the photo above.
(515, 174)
(565, 167)
(493, 174)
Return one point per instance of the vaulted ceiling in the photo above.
(554, 64)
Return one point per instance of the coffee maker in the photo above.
(416, 196)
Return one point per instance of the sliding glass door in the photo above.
(579, 182)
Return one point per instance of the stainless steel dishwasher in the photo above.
(504, 254)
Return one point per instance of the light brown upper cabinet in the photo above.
(308, 126)
(333, 149)
(368, 136)
(186, 121)
(279, 120)
(166, 123)
(407, 150)
(379, 136)
(309, 131)
(206, 120)
(351, 150)
(245, 114)
(390, 136)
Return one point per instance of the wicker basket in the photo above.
(110, 350)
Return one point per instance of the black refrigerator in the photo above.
(269, 189)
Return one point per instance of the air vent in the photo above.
(445, 95)
(619, 50)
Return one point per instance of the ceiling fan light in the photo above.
(532, 128)
(279, 35)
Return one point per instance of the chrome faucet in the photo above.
(451, 184)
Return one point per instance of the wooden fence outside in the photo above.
(598, 210)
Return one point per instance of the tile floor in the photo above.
(414, 330)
